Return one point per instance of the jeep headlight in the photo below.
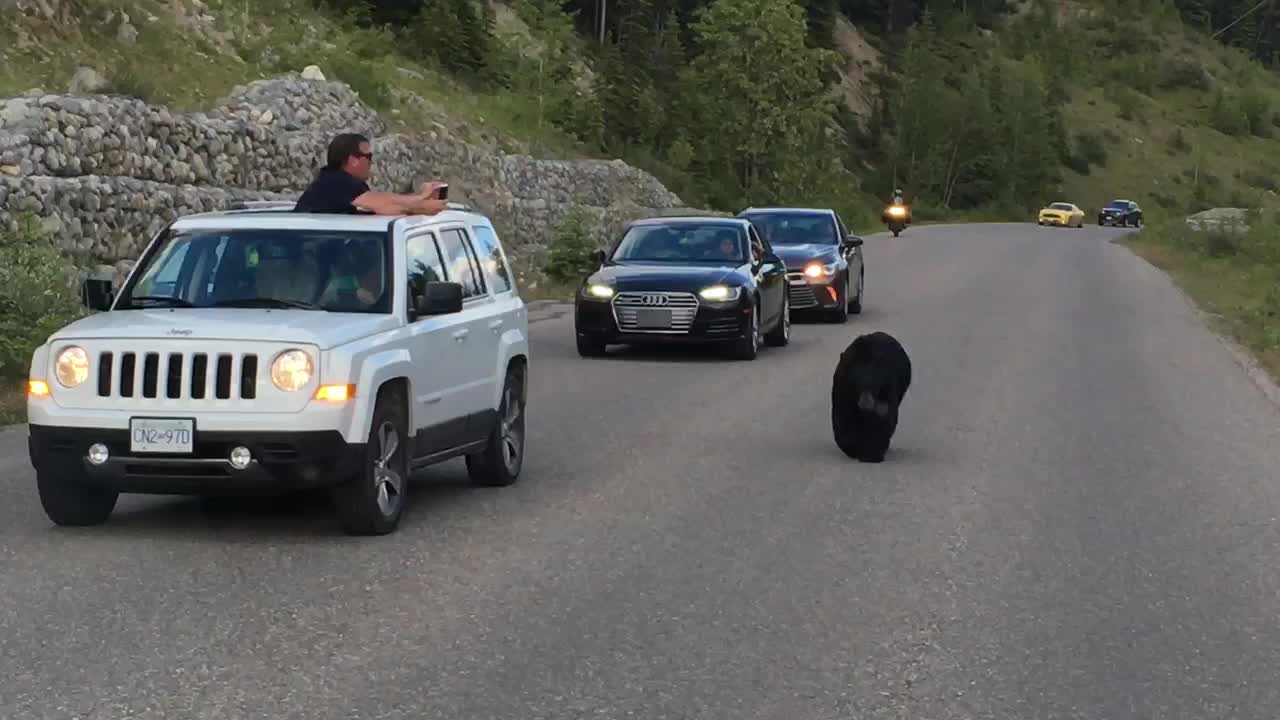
(720, 293)
(291, 370)
(72, 366)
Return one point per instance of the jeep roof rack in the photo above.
(261, 205)
(241, 206)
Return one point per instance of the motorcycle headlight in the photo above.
(72, 367)
(720, 293)
(817, 270)
(291, 370)
(897, 211)
(596, 290)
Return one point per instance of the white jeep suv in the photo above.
(264, 350)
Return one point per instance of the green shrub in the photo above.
(38, 295)
(1091, 148)
(1184, 74)
(1228, 115)
(569, 257)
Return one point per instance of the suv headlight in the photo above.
(291, 370)
(720, 293)
(72, 366)
(600, 292)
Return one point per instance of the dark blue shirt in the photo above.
(332, 192)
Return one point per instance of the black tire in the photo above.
(780, 335)
(499, 464)
(72, 502)
(372, 500)
(749, 347)
(590, 347)
(855, 305)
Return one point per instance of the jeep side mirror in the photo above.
(439, 298)
(597, 257)
(96, 293)
(853, 241)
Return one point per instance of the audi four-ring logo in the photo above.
(654, 299)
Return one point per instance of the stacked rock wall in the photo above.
(107, 172)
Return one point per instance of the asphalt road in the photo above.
(1077, 520)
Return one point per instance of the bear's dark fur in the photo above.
(870, 380)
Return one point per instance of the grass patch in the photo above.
(1237, 282)
(189, 61)
(1160, 143)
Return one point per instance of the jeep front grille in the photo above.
(178, 375)
(654, 312)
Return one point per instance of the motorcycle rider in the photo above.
(899, 201)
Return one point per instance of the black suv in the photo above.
(1122, 213)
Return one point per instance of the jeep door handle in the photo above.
(495, 324)
(461, 335)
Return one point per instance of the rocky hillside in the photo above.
(107, 172)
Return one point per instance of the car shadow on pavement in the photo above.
(305, 514)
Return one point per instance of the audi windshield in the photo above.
(715, 243)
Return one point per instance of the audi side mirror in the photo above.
(97, 293)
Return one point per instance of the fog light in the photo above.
(240, 458)
(98, 453)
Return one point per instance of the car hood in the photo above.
(1054, 211)
(323, 329)
(657, 276)
(796, 256)
(1114, 211)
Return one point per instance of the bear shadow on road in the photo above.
(302, 515)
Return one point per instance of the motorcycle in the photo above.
(897, 217)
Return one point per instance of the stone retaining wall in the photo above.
(107, 171)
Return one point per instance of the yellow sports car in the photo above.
(1060, 213)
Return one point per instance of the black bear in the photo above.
(867, 388)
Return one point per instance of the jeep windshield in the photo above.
(795, 228)
(325, 270)
(713, 242)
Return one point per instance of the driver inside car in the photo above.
(358, 272)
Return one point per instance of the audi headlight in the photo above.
(817, 270)
(72, 366)
(720, 293)
(291, 370)
(596, 290)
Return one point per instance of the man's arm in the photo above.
(389, 203)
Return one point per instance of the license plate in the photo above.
(653, 318)
(162, 435)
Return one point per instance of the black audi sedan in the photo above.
(685, 280)
(825, 268)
